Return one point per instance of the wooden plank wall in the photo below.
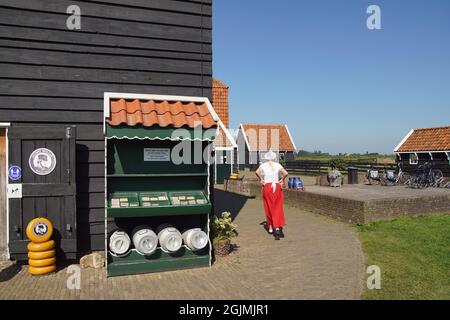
(439, 161)
(51, 75)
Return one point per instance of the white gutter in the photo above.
(290, 137)
(403, 141)
(245, 137)
(227, 133)
(432, 151)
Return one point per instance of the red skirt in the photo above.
(273, 205)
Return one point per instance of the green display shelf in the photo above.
(158, 211)
(134, 263)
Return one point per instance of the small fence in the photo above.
(317, 167)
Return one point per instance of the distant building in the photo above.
(425, 145)
(258, 139)
(225, 147)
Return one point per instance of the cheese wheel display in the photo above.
(145, 241)
(119, 242)
(42, 254)
(170, 239)
(37, 271)
(195, 239)
(39, 247)
(42, 262)
(39, 230)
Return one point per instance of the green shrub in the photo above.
(223, 228)
(338, 163)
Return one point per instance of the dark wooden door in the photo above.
(51, 195)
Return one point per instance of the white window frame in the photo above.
(413, 159)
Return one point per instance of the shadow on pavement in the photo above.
(10, 272)
(227, 201)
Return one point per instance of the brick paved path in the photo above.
(319, 259)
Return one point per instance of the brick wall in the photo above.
(220, 100)
(355, 211)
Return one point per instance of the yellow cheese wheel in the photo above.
(42, 254)
(40, 271)
(39, 247)
(42, 262)
(39, 230)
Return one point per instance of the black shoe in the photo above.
(266, 227)
(281, 233)
(276, 234)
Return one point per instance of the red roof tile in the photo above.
(427, 139)
(259, 137)
(162, 113)
(220, 100)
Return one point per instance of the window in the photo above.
(413, 159)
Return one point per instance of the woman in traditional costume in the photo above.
(271, 175)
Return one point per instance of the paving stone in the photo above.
(320, 259)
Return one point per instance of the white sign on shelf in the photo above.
(156, 154)
(14, 191)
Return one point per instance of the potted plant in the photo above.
(223, 230)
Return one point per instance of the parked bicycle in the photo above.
(373, 175)
(387, 177)
(427, 176)
(402, 177)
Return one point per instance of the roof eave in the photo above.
(404, 140)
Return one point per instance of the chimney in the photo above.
(220, 100)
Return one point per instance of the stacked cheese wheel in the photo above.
(41, 250)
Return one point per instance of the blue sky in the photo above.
(339, 86)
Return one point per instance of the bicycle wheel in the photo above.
(439, 183)
(411, 183)
(404, 178)
(437, 176)
(422, 184)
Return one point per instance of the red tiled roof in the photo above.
(259, 137)
(220, 100)
(162, 113)
(427, 139)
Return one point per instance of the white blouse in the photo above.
(271, 172)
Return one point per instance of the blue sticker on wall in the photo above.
(15, 173)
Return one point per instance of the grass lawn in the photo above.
(413, 254)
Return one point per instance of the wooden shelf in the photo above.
(158, 211)
(158, 175)
(134, 263)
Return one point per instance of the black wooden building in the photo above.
(425, 145)
(53, 79)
